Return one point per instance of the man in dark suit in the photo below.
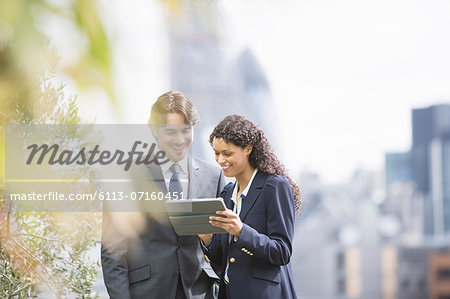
(155, 262)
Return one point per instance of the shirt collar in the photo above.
(165, 167)
(244, 193)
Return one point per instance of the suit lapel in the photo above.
(253, 193)
(227, 200)
(226, 237)
(154, 174)
(194, 178)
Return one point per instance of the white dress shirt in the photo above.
(237, 209)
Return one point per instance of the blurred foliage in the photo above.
(19, 27)
(46, 250)
(50, 249)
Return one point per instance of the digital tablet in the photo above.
(191, 216)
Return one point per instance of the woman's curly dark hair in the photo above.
(240, 131)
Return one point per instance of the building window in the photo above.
(341, 281)
(422, 284)
(341, 286)
(404, 284)
(443, 274)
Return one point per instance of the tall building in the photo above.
(430, 160)
(218, 84)
(338, 240)
(428, 124)
(416, 272)
(440, 183)
(398, 167)
(402, 201)
(446, 179)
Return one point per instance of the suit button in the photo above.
(232, 260)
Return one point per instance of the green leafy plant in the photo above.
(46, 252)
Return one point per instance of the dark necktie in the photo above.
(175, 188)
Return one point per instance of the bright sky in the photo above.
(344, 74)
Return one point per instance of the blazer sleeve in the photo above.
(274, 247)
(113, 257)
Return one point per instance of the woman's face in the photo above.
(233, 159)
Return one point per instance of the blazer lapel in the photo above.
(227, 198)
(194, 178)
(253, 193)
(154, 174)
(226, 237)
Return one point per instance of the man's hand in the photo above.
(231, 222)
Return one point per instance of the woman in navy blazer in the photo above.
(253, 259)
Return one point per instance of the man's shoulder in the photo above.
(205, 165)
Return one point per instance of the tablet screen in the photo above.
(191, 216)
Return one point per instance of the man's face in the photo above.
(174, 137)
